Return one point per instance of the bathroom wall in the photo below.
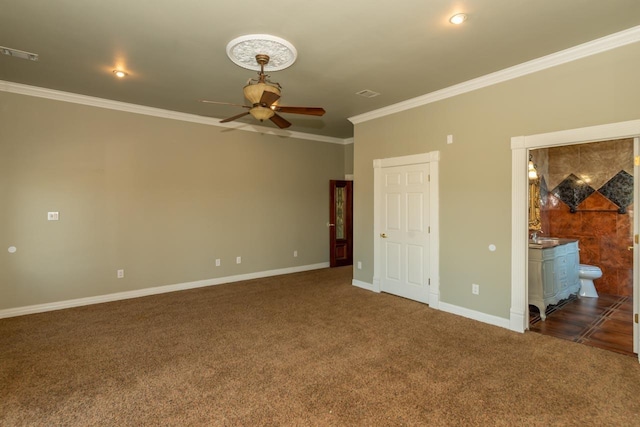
(587, 194)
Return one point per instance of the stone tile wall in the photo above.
(587, 194)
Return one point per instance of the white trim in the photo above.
(348, 177)
(434, 241)
(60, 305)
(619, 130)
(364, 285)
(520, 145)
(636, 249)
(519, 314)
(622, 38)
(450, 308)
(636, 246)
(475, 315)
(377, 207)
(57, 95)
(432, 158)
(413, 159)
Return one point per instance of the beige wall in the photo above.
(348, 159)
(159, 198)
(475, 171)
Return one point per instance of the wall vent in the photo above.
(18, 53)
(367, 93)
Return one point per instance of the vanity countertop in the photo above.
(549, 242)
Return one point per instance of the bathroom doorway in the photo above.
(585, 193)
(520, 147)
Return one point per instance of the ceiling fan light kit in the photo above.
(255, 88)
(262, 113)
(263, 52)
(253, 92)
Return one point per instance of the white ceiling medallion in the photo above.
(243, 50)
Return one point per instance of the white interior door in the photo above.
(404, 231)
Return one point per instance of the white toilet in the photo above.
(587, 274)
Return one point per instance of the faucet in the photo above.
(534, 235)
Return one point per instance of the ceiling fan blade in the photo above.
(206, 101)
(311, 111)
(280, 121)
(237, 116)
(268, 98)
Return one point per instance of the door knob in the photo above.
(384, 236)
(630, 248)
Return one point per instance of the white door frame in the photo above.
(432, 158)
(520, 146)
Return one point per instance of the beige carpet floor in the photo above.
(305, 349)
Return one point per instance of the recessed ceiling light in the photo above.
(458, 18)
(120, 73)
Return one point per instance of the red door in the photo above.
(341, 223)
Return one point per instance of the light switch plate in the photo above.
(53, 216)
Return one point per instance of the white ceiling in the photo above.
(175, 50)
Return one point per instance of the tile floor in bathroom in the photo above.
(605, 322)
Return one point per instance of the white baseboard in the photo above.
(517, 320)
(450, 308)
(475, 315)
(363, 285)
(60, 305)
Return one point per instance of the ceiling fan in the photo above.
(263, 96)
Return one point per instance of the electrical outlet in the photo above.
(359, 265)
(53, 216)
(120, 274)
(295, 254)
(238, 260)
(218, 262)
(475, 289)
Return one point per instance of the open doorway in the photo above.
(583, 194)
(520, 147)
(341, 223)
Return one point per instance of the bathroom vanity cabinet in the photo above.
(553, 272)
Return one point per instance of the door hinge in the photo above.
(636, 318)
(428, 178)
(636, 160)
(429, 282)
(429, 229)
(636, 239)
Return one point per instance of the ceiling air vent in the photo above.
(19, 53)
(367, 93)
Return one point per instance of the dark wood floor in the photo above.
(605, 322)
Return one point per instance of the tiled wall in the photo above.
(587, 194)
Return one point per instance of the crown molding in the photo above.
(74, 98)
(622, 38)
